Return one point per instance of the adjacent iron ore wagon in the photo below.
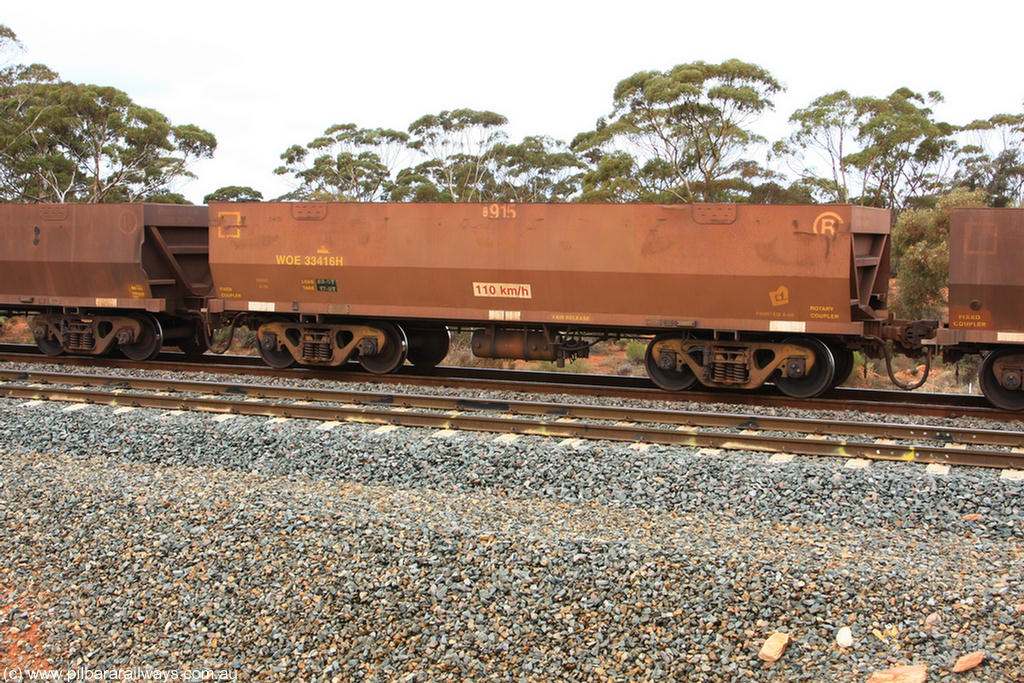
(986, 299)
(106, 276)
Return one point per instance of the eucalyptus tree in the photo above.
(346, 163)
(876, 151)
(19, 118)
(234, 193)
(905, 153)
(459, 147)
(825, 135)
(90, 143)
(538, 169)
(920, 254)
(618, 176)
(63, 141)
(993, 158)
(688, 129)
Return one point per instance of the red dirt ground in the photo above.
(13, 640)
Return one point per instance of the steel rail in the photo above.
(514, 425)
(842, 398)
(678, 418)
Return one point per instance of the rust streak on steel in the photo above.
(633, 434)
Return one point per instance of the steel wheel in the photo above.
(147, 344)
(49, 347)
(996, 393)
(843, 358)
(668, 379)
(817, 379)
(392, 355)
(428, 345)
(273, 356)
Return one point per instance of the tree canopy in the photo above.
(876, 151)
(234, 193)
(453, 156)
(686, 130)
(458, 146)
(992, 159)
(348, 164)
(687, 133)
(62, 141)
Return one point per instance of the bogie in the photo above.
(801, 366)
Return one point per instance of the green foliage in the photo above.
(826, 129)
(994, 161)
(920, 253)
(878, 151)
(579, 366)
(902, 148)
(681, 135)
(616, 177)
(417, 184)
(64, 141)
(685, 130)
(538, 169)
(349, 164)
(636, 352)
(234, 193)
(460, 147)
(165, 198)
(70, 142)
(771, 192)
(465, 158)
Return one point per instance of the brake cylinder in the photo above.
(521, 344)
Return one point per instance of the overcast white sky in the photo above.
(262, 76)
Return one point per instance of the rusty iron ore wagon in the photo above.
(727, 295)
(733, 294)
(986, 299)
(106, 276)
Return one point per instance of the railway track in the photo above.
(797, 436)
(923, 404)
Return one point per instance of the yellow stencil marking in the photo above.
(827, 223)
(229, 229)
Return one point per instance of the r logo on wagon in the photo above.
(827, 224)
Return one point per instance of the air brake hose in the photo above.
(227, 342)
(924, 377)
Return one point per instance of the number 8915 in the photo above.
(499, 211)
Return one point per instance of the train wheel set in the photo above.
(137, 336)
(1000, 377)
(801, 367)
